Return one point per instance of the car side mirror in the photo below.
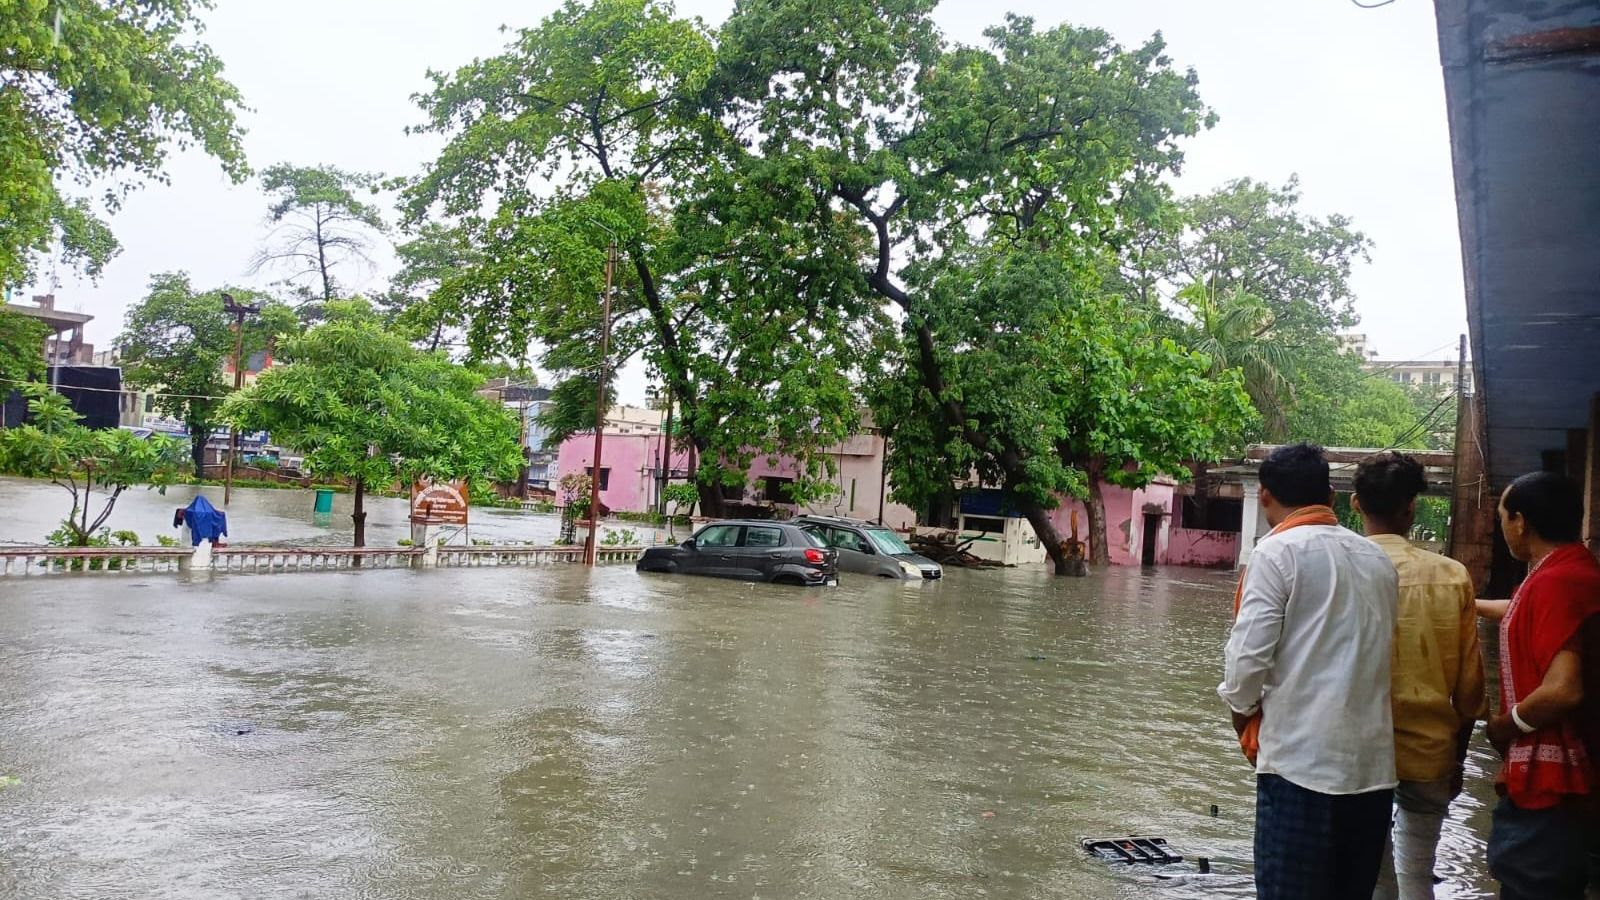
(865, 548)
(689, 544)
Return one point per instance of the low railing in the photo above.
(519, 555)
(269, 559)
(58, 560)
(311, 559)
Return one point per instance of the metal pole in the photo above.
(238, 382)
(590, 545)
(666, 453)
(1462, 400)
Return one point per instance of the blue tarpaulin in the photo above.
(206, 522)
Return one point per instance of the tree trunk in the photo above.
(1039, 518)
(1099, 547)
(712, 503)
(359, 516)
(198, 435)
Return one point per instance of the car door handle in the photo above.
(775, 555)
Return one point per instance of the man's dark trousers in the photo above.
(1312, 846)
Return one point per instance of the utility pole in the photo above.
(239, 311)
(591, 544)
(666, 452)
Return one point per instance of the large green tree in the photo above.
(594, 127)
(21, 349)
(363, 404)
(954, 164)
(85, 462)
(176, 341)
(92, 91)
(319, 222)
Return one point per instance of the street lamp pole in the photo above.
(239, 311)
(591, 544)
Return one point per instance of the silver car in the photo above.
(868, 549)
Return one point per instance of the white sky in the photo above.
(1350, 99)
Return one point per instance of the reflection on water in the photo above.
(556, 732)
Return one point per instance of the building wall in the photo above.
(634, 458)
(1125, 510)
(1202, 549)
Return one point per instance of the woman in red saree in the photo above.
(1536, 846)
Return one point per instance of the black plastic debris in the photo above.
(1132, 850)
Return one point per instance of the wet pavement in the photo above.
(556, 732)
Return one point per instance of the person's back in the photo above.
(1327, 722)
(1309, 655)
(1438, 664)
(1437, 672)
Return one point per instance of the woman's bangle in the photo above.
(1522, 726)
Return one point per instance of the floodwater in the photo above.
(456, 734)
(29, 510)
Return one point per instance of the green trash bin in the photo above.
(324, 503)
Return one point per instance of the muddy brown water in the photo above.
(556, 732)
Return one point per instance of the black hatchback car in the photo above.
(776, 552)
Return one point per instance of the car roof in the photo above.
(771, 522)
(837, 520)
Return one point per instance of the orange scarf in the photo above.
(1250, 740)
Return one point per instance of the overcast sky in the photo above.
(1350, 99)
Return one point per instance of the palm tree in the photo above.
(1235, 330)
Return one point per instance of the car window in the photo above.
(719, 536)
(888, 542)
(813, 538)
(756, 536)
(849, 540)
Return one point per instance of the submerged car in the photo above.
(776, 552)
(870, 549)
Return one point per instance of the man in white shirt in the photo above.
(1310, 653)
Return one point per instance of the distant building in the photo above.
(1433, 373)
(1356, 344)
(65, 345)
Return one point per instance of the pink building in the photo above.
(633, 463)
(1149, 517)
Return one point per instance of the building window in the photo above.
(1431, 378)
(777, 490)
(605, 477)
(1219, 514)
(149, 403)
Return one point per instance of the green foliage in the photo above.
(991, 190)
(92, 91)
(85, 462)
(319, 223)
(1250, 238)
(21, 349)
(67, 536)
(176, 341)
(165, 540)
(758, 329)
(361, 403)
(623, 537)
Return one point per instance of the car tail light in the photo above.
(814, 556)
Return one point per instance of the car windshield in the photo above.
(887, 542)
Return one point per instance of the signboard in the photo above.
(439, 503)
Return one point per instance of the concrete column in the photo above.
(1250, 523)
(422, 536)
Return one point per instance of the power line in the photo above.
(133, 391)
(1372, 5)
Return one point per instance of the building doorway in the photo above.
(1152, 529)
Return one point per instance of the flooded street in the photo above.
(32, 509)
(484, 733)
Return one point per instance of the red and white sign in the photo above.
(443, 503)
